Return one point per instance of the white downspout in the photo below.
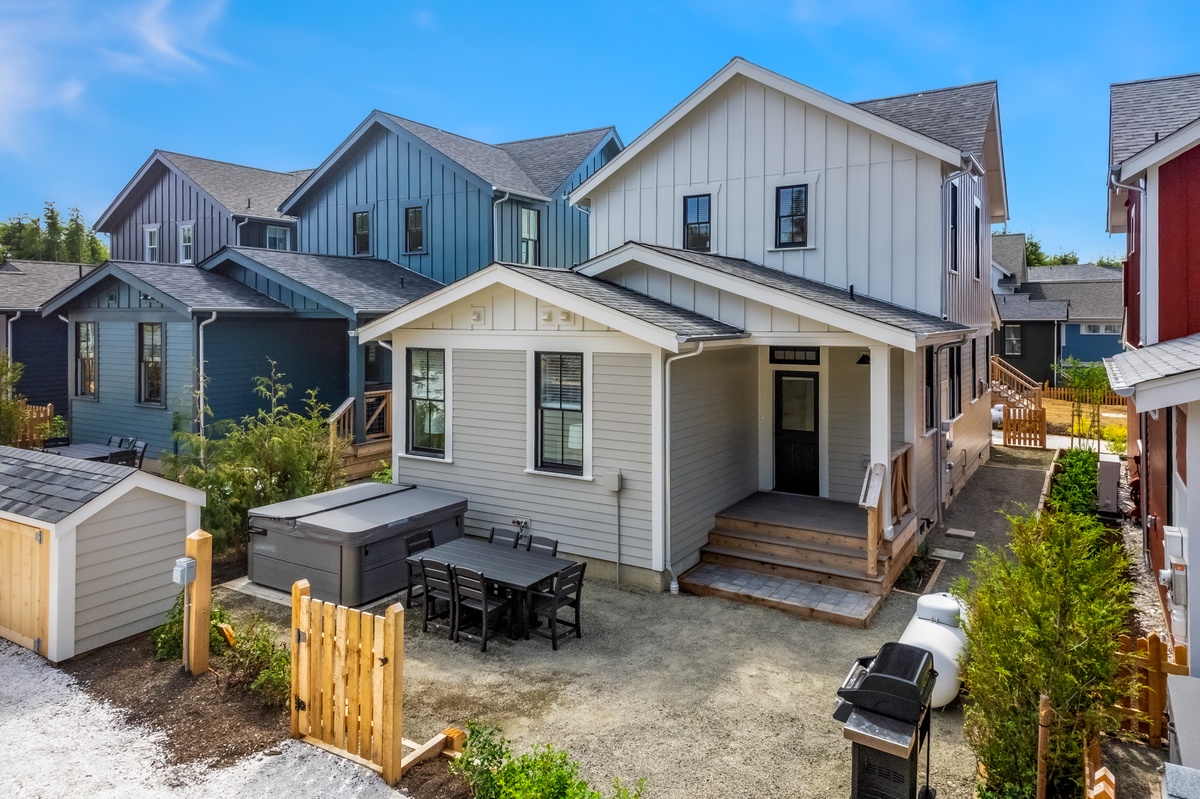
(496, 224)
(8, 343)
(237, 236)
(200, 393)
(667, 462)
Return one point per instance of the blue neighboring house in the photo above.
(38, 343)
(1092, 330)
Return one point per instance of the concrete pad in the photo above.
(955, 532)
(948, 554)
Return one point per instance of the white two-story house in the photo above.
(786, 321)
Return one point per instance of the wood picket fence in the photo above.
(34, 416)
(1147, 660)
(1068, 395)
(1024, 427)
(348, 686)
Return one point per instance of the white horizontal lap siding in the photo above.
(490, 401)
(875, 205)
(124, 558)
(714, 444)
(972, 429)
(849, 414)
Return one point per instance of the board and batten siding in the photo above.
(491, 396)
(168, 201)
(40, 344)
(124, 557)
(714, 444)
(116, 411)
(969, 290)
(876, 205)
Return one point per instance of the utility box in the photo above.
(1108, 484)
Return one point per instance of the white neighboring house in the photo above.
(789, 289)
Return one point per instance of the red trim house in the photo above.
(1154, 198)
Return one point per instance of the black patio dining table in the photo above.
(84, 452)
(515, 569)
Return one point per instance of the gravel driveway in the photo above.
(702, 696)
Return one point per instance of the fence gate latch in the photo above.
(300, 703)
(301, 637)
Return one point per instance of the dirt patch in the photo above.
(1058, 416)
(432, 779)
(229, 565)
(1021, 457)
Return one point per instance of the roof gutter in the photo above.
(702, 337)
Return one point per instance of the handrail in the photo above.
(341, 421)
(870, 498)
(1020, 384)
(901, 482)
(377, 407)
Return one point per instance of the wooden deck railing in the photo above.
(341, 421)
(870, 499)
(378, 417)
(1020, 387)
(901, 482)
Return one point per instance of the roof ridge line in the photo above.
(1155, 80)
(556, 135)
(230, 163)
(992, 82)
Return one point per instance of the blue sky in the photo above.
(89, 89)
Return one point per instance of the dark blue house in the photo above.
(1092, 330)
(39, 343)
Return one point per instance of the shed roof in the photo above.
(28, 285)
(1073, 272)
(957, 115)
(1142, 112)
(1165, 359)
(48, 488)
(1021, 308)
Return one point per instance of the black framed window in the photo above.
(85, 359)
(930, 391)
(978, 242)
(427, 402)
(531, 221)
(974, 370)
(1012, 339)
(150, 363)
(414, 229)
(559, 411)
(810, 356)
(953, 227)
(362, 232)
(791, 216)
(955, 356)
(697, 222)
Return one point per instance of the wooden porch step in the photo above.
(817, 573)
(798, 597)
(852, 557)
(362, 460)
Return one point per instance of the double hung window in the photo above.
(791, 216)
(559, 412)
(697, 222)
(414, 229)
(150, 363)
(530, 227)
(85, 359)
(427, 402)
(1012, 339)
(187, 244)
(361, 232)
(150, 252)
(954, 227)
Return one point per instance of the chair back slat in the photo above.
(503, 537)
(543, 544)
(436, 577)
(123, 457)
(569, 582)
(139, 451)
(470, 584)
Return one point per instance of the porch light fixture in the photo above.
(864, 359)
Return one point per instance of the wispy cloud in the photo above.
(54, 51)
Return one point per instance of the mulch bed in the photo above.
(229, 565)
(432, 780)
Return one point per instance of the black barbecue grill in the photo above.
(884, 705)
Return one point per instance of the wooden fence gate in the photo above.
(1146, 714)
(348, 686)
(1024, 427)
(24, 585)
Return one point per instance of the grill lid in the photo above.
(896, 683)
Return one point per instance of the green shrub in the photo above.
(1074, 490)
(489, 767)
(55, 428)
(274, 683)
(168, 638)
(252, 653)
(384, 475)
(12, 404)
(1117, 438)
(1043, 620)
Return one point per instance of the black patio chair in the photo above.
(123, 457)
(439, 587)
(565, 593)
(139, 449)
(417, 542)
(118, 441)
(543, 544)
(471, 593)
(51, 443)
(506, 538)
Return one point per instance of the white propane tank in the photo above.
(935, 626)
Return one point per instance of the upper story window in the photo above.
(414, 229)
(953, 227)
(150, 363)
(791, 216)
(150, 251)
(559, 412)
(278, 238)
(427, 402)
(85, 359)
(362, 232)
(530, 227)
(187, 244)
(1107, 329)
(978, 242)
(1012, 339)
(974, 369)
(697, 222)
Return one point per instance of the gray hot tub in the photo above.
(348, 543)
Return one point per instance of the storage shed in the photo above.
(86, 550)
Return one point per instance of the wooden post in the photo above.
(300, 589)
(1043, 750)
(393, 694)
(199, 546)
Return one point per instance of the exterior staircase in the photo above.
(803, 555)
(1024, 416)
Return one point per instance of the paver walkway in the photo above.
(787, 594)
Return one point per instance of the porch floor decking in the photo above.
(798, 597)
(797, 510)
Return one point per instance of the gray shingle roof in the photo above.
(368, 285)
(1175, 357)
(549, 160)
(48, 487)
(1008, 250)
(1140, 112)
(867, 307)
(241, 189)
(680, 321)
(199, 290)
(957, 116)
(1099, 299)
(1075, 272)
(27, 285)
(1020, 308)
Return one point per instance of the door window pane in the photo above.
(798, 404)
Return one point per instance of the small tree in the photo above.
(1088, 383)
(1043, 621)
(12, 404)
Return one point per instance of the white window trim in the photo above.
(191, 224)
(157, 231)
(715, 216)
(1083, 329)
(812, 180)
(287, 237)
(400, 409)
(531, 411)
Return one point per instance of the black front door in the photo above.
(797, 441)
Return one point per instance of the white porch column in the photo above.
(1191, 521)
(881, 427)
